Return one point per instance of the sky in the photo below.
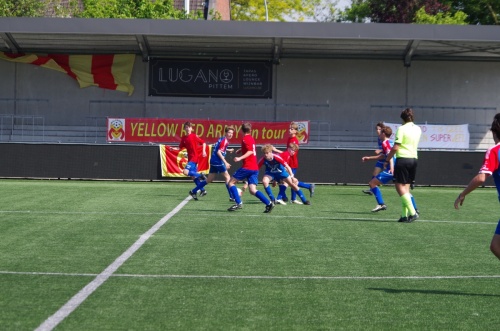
(343, 3)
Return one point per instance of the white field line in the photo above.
(253, 277)
(63, 312)
(229, 215)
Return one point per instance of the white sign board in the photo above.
(440, 136)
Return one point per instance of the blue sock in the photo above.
(229, 191)
(283, 191)
(269, 192)
(262, 197)
(304, 185)
(378, 195)
(193, 174)
(301, 195)
(200, 186)
(413, 202)
(236, 196)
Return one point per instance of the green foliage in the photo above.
(486, 12)
(159, 9)
(457, 18)
(22, 8)
(278, 10)
(357, 13)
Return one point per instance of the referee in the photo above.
(405, 149)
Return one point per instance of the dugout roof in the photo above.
(250, 40)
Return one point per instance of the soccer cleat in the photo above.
(297, 202)
(368, 192)
(235, 207)
(307, 202)
(285, 199)
(417, 212)
(379, 208)
(403, 220)
(193, 195)
(202, 176)
(269, 208)
(311, 190)
(412, 218)
(203, 193)
(232, 200)
(281, 202)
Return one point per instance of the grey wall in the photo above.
(342, 98)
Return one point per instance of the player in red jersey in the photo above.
(191, 142)
(490, 167)
(249, 171)
(294, 164)
(287, 156)
(277, 169)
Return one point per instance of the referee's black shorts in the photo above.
(405, 170)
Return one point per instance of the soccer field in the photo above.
(103, 255)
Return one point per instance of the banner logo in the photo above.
(116, 129)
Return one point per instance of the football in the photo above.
(240, 192)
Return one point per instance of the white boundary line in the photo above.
(63, 312)
(255, 276)
(223, 214)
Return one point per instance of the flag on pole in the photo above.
(108, 71)
(173, 161)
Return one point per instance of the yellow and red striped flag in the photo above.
(108, 71)
(174, 161)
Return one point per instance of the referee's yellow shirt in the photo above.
(407, 137)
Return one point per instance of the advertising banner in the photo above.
(173, 161)
(165, 130)
(223, 79)
(440, 136)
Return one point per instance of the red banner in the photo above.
(158, 130)
(173, 161)
(108, 71)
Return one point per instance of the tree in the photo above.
(129, 9)
(457, 18)
(22, 8)
(486, 12)
(402, 11)
(277, 10)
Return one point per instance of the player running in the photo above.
(218, 163)
(249, 171)
(191, 142)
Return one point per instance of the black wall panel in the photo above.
(143, 163)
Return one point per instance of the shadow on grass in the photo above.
(397, 291)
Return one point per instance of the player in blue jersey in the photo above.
(218, 163)
(379, 166)
(278, 170)
(387, 174)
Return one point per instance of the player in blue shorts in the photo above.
(278, 170)
(380, 162)
(218, 163)
(491, 166)
(386, 175)
(249, 171)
